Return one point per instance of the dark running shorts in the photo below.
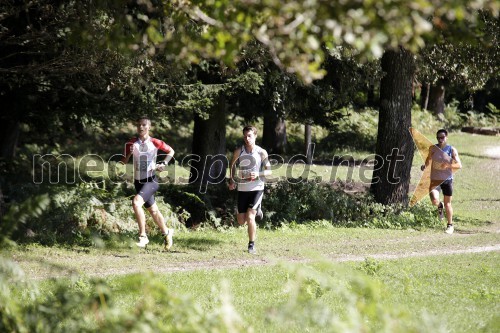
(249, 200)
(146, 188)
(446, 186)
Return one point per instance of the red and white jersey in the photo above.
(144, 155)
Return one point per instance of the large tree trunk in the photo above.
(436, 99)
(274, 137)
(395, 148)
(210, 163)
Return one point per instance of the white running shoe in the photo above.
(168, 239)
(449, 229)
(143, 241)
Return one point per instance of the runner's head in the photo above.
(249, 135)
(441, 135)
(143, 125)
(249, 128)
(142, 118)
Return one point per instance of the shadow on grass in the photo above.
(483, 227)
(472, 221)
(482, 157)
(197, 244)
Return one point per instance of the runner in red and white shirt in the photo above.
(144, 150)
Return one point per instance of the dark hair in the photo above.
(442, 130)
(249, 128)
(143, 117)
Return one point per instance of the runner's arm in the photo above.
(455, 163)
(168, 157)
(232, 168)
(267, 166)
(129, 149)
(428, 159)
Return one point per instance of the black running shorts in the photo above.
(445, 186)
(249, 200)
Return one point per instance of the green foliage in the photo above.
(301, 201)
(86, 211)
(452, 118)
(326, 297)
(91, 305)
(295, 33)
(371, 266)
(214, 208)
(354, 130)
(10, 307)
(334, 299)
(494, 110)
(20, 213)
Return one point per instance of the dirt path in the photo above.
(47, 263)
(242, 263)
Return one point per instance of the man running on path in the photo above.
(250, 159)
(144, 149)
(444, 159)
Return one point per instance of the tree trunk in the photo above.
(274, 135)
(370, 100)
(436, 99)
(478, 101)
(210, 163)
(424, 96)
(9, 136)
(309, 150)
(395, 148)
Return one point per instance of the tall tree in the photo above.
(212, 86)
(394, 151)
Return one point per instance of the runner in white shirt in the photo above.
(144, 149)
(250, 158)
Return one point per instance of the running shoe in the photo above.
(449, 229)
(168, 239)
(440, 211)
(143, 241)
(251, 249)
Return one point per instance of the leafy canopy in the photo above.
(296, 32)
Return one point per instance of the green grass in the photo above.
(462, 290)
(449, 293)
(207, 248)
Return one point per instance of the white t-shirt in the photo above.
(248, 162)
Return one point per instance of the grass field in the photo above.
(314, 278)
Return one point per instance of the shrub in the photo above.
(216, 207)
(302, 201)
(356, 130)
(90, 305)
(452, 118)
(78, 213)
